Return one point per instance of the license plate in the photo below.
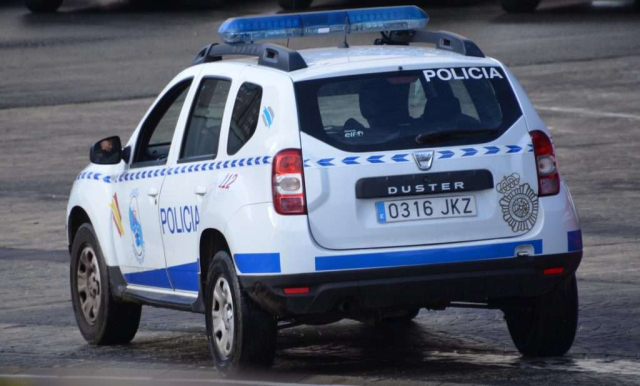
(425, 208)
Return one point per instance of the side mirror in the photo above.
(107, 151)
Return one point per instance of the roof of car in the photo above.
(336, 61)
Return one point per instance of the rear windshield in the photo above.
(408, 109)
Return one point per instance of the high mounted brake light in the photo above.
(250, 29)
(546, 166)
(288, 183)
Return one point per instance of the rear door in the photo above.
(415, 158)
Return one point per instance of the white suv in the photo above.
(309, 186)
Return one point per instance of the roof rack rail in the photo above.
(269, 55)
(442, 39)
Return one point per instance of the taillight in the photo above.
(288, 183)
(548, 177)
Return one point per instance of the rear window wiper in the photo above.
(444, 135)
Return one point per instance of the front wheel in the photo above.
(519, 6)
(101, 318)
(43, 6)
(241, 335)
(548, 327)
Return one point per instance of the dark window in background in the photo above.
(244, 120)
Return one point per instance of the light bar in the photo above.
(253, 28)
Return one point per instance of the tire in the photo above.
(549, 326)
(519, 6)
(241, 335)
(295, 4)
(102, 319)
(43, 6)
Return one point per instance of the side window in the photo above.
(203, 131)
(244, 120)
(155, 136)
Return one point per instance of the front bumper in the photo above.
(494, 282)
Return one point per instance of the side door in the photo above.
(192, 184)
(138, 189)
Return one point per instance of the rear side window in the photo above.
(203, 131)
(409, 109)
(244, 119)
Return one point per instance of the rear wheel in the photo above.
(43, 6)
(102, 319)
(241, 335)
(295, 4)
(548, 327)
(519, 6)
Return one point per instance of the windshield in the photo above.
(408, 109)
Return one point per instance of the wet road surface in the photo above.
(92, 71)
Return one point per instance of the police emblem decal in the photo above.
(136, 228)
(519, 203)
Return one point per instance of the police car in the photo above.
(293, 187)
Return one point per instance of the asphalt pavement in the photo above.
(92, 70)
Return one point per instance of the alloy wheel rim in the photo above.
(222, 313)
(88, 283)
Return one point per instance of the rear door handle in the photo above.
(153, 192)
(201, 191)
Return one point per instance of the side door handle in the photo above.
(201, 190)
(153, 192)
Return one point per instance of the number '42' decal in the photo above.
(228, 180)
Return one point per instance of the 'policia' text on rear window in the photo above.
(408, 109)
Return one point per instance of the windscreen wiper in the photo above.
(448, 134)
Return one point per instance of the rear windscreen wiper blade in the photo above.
(444, 135)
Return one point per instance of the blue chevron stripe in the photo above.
(400, 158)
(325, 162)
(446, 154)
(492, 150)
(469, 152)
(375, 159)
(350, 161)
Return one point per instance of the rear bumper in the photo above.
(493, 282)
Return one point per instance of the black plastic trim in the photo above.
(424, 184)
(120, 292)
(490, 281)
(269, 55)
(443, 40)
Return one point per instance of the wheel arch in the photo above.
(91, 204)
(77, 217)
(212, 241)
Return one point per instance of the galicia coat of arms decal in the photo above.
(519, 203)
